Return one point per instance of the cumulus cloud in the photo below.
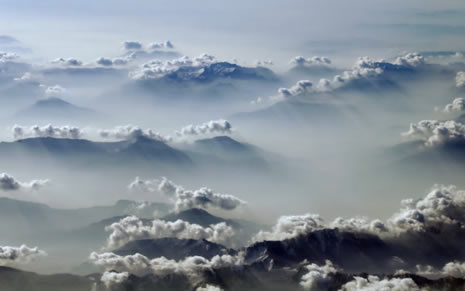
(157, 69)
(186, 199)
(451, 269)
(68, 62)
(160, 45)
(111, 278)
(458, 105)
(359, 224)
(443, 208)
(443, 205)
(318, 277)
(132, 45)
(140, 265)
(130, 131)
(104, 62)
(7, 57)
(49, 130)
(19, 255)
(300, 88)
(263, 63)
(9, 183)
(55, 91)
(220, 126)
(436, 133)
(209, 288)
(132, 228)
(313, 61)
(373, 283)
(460, 80)
(292, 226)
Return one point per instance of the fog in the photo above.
(149, 123)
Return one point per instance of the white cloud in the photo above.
(186, 199)
(443, 205)
(132, 45)
(160, 45)
(460, 80)
(104, 62)
(300, 88)
(157, 69)
(69, 62)
(7, 57)
(436, 133)
(313, 61)
(220, 126)
(318, 277)
(458, 105)
(129, 131)
(19, 255)
(49, 130)
(263, 63)
(111, 279)
(140, 265)
(55, 91)
(9, 183)
(132, 228)
(209, 287)
(374, 283)
(292, 226)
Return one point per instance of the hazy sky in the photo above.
(246, 30)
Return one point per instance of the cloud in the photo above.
(129, 131)
(451, 269)
(365, 69)
(9, 183)
(104, 61)
(318, 277)
(292, 226)
(132, 45)
(373, 283)
(264, 63)
(55, 91)
(157, 69)
(132, 228)
(20, 132)
(19, 255)
(160, 45)
(442, 206)
(359, 224)
(437, 133)
(460, 80)
(209, 288)
(111, 279)
(186, 199)
(458, 105)
(69, 62)
(7, 57)
(300, 88)
(140, 265)
(313, 61)
(220, 126)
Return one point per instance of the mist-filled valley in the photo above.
(168, 146)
